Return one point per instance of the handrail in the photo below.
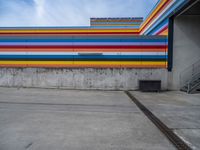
(194, 77)
(190, 83)
(188, 74)
(194, 65)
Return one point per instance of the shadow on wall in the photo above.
(186, 49)
(191, 31)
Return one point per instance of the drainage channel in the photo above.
(177, 141)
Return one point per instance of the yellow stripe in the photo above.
(155, 11)
(118, 63)
(35, 62)
(106, 63)
(82, 62)
(69, 31)
(164, 32)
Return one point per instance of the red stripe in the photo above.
(166, 3)
(88, 47)
(165, 28)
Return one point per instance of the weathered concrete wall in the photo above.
(186, 47)
(106, 79)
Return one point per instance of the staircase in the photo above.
(190, 79)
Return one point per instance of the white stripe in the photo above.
(77, 53)
(143, 53)
(158, 17)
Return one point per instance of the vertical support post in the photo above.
(170, 43)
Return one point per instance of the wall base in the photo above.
(102, 79)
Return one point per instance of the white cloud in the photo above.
(40, 10)
(68, 12)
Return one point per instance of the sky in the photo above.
(68, 12)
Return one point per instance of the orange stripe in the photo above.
(156, 10)
(155, 15)
(66, 35)
(87, 66)
(165, 32)
(61, 30)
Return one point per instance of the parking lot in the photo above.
(50, 119)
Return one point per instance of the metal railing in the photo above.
(193, 82)
(190, 75)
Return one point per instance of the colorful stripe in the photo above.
(83, 51)
(83, 64)
(157, 21)
(109, 22)
(107, 43)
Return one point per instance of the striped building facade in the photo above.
(107, 43)
(157, 21)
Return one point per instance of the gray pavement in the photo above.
(178, 110)
(47, 119)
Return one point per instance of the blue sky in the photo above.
(68, 12)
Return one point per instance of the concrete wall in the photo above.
(186, 47)
(106, 79)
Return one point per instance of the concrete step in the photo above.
(195, 86)
(184, 89)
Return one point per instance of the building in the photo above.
(112, 53)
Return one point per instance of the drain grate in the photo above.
(177, 141)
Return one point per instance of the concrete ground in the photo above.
(47, 119)
(178, 110)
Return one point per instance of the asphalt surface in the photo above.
(178, 110)
(47, 119)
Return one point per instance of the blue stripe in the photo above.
(81, 44)
(159, 27)
(83, 57)
(176, 6)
